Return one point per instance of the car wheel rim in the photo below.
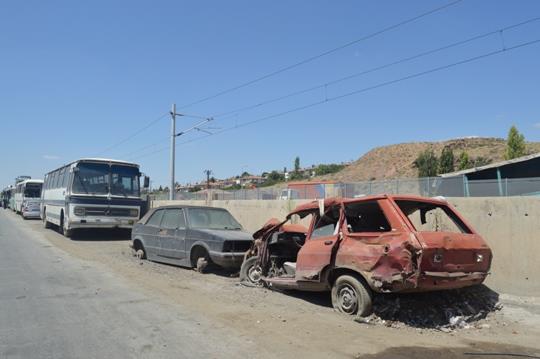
(254, 274)
(348, 299)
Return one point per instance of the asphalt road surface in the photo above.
(55, 306)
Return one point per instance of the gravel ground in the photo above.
(298, 323)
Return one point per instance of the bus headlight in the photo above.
(133, 212)
(79, 211)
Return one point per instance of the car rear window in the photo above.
(432, 217)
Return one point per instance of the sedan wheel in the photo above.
(251, 272)
(351, 296)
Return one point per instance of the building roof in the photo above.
(491, 165)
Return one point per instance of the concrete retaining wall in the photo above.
(511, 226)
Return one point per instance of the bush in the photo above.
(427, 164)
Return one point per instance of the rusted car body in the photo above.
(380, 243)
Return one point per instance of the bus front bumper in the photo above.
(109, 222)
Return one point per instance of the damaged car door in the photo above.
(317, 252)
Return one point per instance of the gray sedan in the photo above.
(191, 236)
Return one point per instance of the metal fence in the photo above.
(427, 186)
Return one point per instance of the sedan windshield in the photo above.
(125, 181)
(209, 218)
(91, 178)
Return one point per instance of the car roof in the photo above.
(187, 206)
(332, 201)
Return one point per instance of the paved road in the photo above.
(56, 306)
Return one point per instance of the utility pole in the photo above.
(172, 192)
(172, 189)
(208, 173)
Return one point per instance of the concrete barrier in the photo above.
(511, 226)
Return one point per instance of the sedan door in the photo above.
(150, 234)
(173, 234)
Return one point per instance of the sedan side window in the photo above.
(173, 219)
(155, 219)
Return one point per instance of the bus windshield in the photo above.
(102, 179)
(32, 190)
(91, 178)
(125, 180)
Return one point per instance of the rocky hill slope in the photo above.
(397, 161)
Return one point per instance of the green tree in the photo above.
(464, 162)
(427, 163)
(481, 161)
(515, 144)
(326, 169)
(446, 162)
(297, 164)
(275, 176)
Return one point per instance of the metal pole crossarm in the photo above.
(195, 127)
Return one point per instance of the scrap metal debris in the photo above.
(445, 310)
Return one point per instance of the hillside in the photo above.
(397, 161)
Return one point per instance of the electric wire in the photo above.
(325, 53)
(374, 69)
(325, 85)
(142, 129)
(356, 92)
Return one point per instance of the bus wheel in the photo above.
(63, 230)
(46, 224)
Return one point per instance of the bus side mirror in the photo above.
(146, 182)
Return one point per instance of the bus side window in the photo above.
(64, 177)
(55, 180)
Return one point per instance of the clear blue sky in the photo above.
(78, 77)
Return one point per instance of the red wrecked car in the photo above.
(355, 247)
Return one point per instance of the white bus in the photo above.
(92, 193)
(27, 198)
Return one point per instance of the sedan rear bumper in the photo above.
(31, 214)
(449, 280)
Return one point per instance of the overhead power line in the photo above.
(358, 74)
(150, 124)
(374, 69)
(300, 63)
(142, 129)
(356, 92)
(325, 53)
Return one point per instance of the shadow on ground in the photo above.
(431, 310)
(450, 308)
(108, 235)
(472, 351)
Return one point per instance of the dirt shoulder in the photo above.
(303, 324)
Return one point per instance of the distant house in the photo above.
(517, 177)
(250, 181)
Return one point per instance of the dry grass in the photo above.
(397, 161)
